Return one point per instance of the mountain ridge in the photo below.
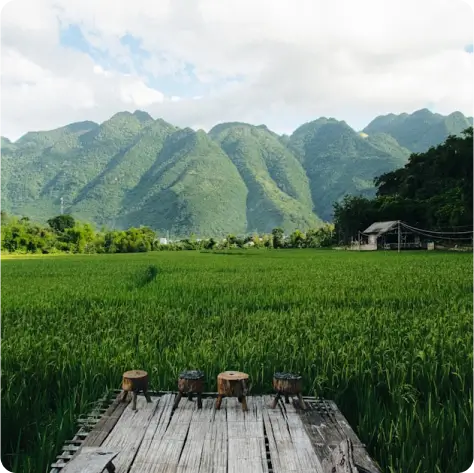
(236, 178)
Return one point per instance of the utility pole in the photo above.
(359, 240)
(399, 236)
(62, 206)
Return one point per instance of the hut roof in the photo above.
(379, 228)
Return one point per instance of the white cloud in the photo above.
(137, 93)
(255, 62)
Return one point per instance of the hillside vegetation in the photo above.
(133, 170)
(421, 129)
(433, 191)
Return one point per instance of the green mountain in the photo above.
(278, 187)
(123, 171)
(6, 143)
(420, 130)
(192, 186)
(339, 161)
(238, 178)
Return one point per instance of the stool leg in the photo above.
(110, 467)
(199, 400)
(219, 401)
(300, 399)
(244, 403)
(134, 400)
(147, 396)
(275, 401)
(123, 396)
(287, 399)
(178, 398)
(190, 396)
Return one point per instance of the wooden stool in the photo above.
(288, 384)
(232, 384)
(135, 381)
(190, 382)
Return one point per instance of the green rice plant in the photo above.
(388, 336)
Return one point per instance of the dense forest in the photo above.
(432, 191)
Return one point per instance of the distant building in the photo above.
(163, 241)
(384, 236)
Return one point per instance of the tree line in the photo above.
(432, 191)
(64, 234)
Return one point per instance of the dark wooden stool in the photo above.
(232, 384)
(288, 384)
(135, 381)
(190, 382)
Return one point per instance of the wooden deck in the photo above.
(156, 439)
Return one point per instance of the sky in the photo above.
(197, 63)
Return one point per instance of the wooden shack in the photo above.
(389, 235)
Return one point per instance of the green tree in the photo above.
(80, 238)
(297, 239)
(353, 214)
(433, 191)
(277, 234)
(231, 240)
(61, 223)
(210, 244)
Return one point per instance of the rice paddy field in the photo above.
(388, 336)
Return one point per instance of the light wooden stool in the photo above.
(232, 384)
(135, 381)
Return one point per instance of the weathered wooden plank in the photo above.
(164, 452)
(326, 427)
(128, 433)
(215, 447)
(361, 456)
(246, 438)
(64, 456)
(90, 460)
(154, 432)
(190, 459)
(106, 423)
(302, 443)
(71, 448)
(341, 459)
(282, 454)
(320, 422)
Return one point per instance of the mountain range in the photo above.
(132, 170)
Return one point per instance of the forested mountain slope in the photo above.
(238, 178)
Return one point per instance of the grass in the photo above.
(387, 335)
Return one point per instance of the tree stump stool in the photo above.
(288, 384)
(232, 384)
(190, 382)
(135, 381)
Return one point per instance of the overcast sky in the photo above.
(200, 62)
